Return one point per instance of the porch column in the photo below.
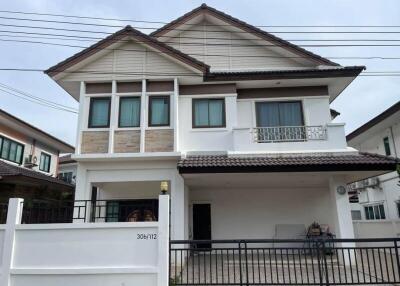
(178, 208)
(341, 211)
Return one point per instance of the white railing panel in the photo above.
(289, 133)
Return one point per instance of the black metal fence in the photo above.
(285, 262)
(40, 211)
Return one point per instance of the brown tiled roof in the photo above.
(244, 26)
(127, 31)
(350, 71)
(388, 112)
(229, 164)
(66, 159)
(10, 170)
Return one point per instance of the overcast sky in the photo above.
(363, 99)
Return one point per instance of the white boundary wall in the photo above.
(376, 228)
(87, 254)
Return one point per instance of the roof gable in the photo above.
(128, 31)
(204, 9)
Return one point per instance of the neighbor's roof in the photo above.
(310, 163)
(67, 147)
(8, 170)
(244, 26)
(66, 159)
(374, 121)
(125, 32)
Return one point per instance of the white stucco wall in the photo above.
(253, 213)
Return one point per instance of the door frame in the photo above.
(204, 202)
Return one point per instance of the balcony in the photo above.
(289, 133)
(290, 138)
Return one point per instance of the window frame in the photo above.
(119, 111)
(102, 98)
(3, 139)
(150, 100)
(44, 154)
(372, 208)
(386, 146)
(278, 102)
(194, 100)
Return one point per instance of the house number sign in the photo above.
(146, 236)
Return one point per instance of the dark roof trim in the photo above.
(223, 164)
(8, 170)
(244, 26)
(351, 71)
(388, 112)
(127, 31)
(12, 117)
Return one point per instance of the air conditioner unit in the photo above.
(30, 161)
(373, 182)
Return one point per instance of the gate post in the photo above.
(14, 215)
(163, 241)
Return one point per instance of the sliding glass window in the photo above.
(45, 160)
(273, 114)
(99, 112)
(208, 113)
(129, 112)
(159, 111)
(11, 150)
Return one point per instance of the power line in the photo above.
(188, 24)
(36, 102)
(45, 101)
(371, 73)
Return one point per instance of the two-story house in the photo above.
(29, 161)
(232, 120)
(377, 198)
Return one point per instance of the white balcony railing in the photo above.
(289, 134)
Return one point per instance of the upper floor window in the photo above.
(387, 146)
(99, 112)
(398, 208)
(66, 177)
(375, 212)
(44, 164)
(272, 114)
(159, 110)
(208, 113)
(129, 112)
(11, 150)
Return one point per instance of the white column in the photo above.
(143, 116)
(113, 115)
(343, 224)
(163, 240)
(14, 214)
(177, 208)
(176, 115)
(81, 120)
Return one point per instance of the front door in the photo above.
(202, 224)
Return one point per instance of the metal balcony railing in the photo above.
(289, 133)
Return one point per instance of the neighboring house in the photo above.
(377, 198)
(238, 127)
(67, 169)
(29, 160)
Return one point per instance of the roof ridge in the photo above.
(244, 24)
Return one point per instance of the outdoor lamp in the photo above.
(164, 187)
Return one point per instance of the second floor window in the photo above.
(208, 113)
(99, 112)
(45, 160)
(375, 212)
(276, 114)
(129, 112)
(159, 111)
(66, 177)
(11, 150)
(386, 144)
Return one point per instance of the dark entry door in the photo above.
(202, 224)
